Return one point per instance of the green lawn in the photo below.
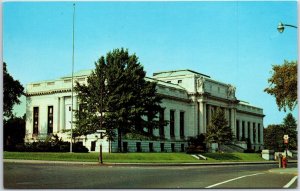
(133, 157)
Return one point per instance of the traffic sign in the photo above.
(286, 139)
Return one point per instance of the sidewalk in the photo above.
(141, 164)
(285, 170)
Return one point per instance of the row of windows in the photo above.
(244, 130)
(36, 120)
(138, 147)
(161, 119)
(172, 124)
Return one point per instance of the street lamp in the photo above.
(72, 90)
(281, 26)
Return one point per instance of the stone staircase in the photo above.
(230, 148)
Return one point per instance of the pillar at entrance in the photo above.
(202, 117)
(232, 111)
(62, 114)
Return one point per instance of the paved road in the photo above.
(59, 176)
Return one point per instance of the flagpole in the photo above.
(71, 149)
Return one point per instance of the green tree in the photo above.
(290, 129)
(12, 90)
(13, 131)
(129, 102)
(218, 130)
(273, 137)
(283, 85)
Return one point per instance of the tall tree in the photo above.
(218, 130)
(12, 90)
(283, 85)
(14, 131)
(273, 137)
(118, 84)
(290, 128)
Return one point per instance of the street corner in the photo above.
(284, 171)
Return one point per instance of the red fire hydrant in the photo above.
(284, 162)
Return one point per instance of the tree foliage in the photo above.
(273, 137)
(129, 102)
(218, 130)
(273, 134)
(12, 90)
(14, 131)
(283, 85)
(290, 129)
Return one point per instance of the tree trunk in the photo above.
(119, 140)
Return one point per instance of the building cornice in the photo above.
(250, 113)
(47, 92)
(164, 96)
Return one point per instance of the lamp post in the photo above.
(100, 153)
(72, 90)
(281, 26)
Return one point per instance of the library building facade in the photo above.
(189, 100)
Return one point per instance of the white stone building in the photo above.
(189, 99)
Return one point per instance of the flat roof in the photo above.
(178, 72)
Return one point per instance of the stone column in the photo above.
(261, 134)
(204, 117)
(227, 116)
(177, 124)
(256, 133)
(240, 129)
(62, 113)
(167, 127)
(232, 111)
(57, 111)
(209, 114)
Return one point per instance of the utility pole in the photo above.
(72, 90)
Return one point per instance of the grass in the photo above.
(133, 157)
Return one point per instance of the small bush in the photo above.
(51, 144)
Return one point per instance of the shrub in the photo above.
(51, 144)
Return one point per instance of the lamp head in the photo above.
(280, 27)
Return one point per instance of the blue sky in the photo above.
(234, 42)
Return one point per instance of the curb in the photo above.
(139, 164)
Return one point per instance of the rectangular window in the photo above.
(173, 147)
(182, 125)
(93, 145)
(151, 147)
(161, 123)
(125, 147)
(138, 147)
(162, 147)
(35, 120)
(172, 123)
(182, 147)
(238, 130)
(50, 119)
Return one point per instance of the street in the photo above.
(59, 176)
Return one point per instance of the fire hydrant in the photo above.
(284, 162)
